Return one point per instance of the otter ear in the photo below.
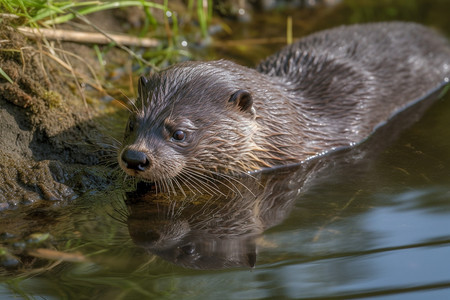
(243, 100)
(142, 85)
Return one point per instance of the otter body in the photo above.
(330, 89)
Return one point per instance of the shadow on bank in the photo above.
(38, 166)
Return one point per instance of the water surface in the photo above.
(377, 225)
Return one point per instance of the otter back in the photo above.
(349, 79)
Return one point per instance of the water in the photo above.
(372, 225)
(381, 228)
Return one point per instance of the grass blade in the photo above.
(6, 76)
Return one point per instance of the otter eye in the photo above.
(179, 135)
(131, 123)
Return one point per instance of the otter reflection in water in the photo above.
(213, 232)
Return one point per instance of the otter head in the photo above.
(191, 119)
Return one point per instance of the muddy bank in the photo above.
(50, 140)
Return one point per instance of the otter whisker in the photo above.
(104, 147)
(117, 143)
(167, 186)
(184, 178)
(172, 186)
(124, 104)
(236, 180)
(110, 163)
(125, 178)
(179, 187)
(162, 186)
(229, 179)
(129, 104)
(159, 185)
(171, 209)
(207, 183)
(120, 210)
(203, 174)
(182, 205)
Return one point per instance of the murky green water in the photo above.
(372, 224)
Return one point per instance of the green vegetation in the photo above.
(43, 13)
(59, 11)
(4, 75)
(56, 12)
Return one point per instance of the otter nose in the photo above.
(135, 160)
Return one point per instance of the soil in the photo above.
(49, 135)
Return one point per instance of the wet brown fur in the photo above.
(328, 90)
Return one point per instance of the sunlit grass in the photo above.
(44, 13)
(57, 12)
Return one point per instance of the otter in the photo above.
(330, 90)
